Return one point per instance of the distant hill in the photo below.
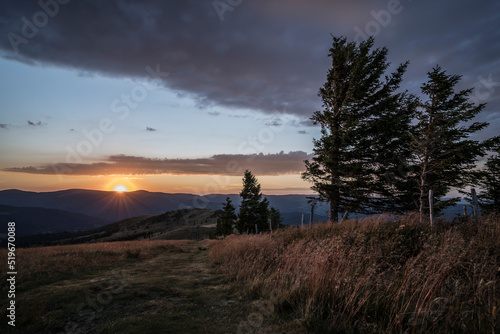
(113, 206)
(31, 220)
(171, 225)
(78, 209)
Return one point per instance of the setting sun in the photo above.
(120, 188)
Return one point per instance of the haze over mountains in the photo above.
(101, 207)
(82, 210)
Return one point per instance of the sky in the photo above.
(184, 95)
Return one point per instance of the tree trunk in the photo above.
(312, 215)
(423, 196)
(334, 211)
(423, 187)
(431, 208)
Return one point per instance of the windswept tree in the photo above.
(227, 219)
(446, 156)
(253, 209)
(360, 163)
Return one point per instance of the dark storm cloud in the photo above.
(264, 54)
(222, 164)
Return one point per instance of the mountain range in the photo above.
(82, 210)
(32, 220)
(79, 209)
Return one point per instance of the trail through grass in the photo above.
(168, 290)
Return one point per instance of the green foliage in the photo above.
(227, 219)
(365, 126)
(445, 156)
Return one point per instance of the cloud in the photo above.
(222, 164)
(150, 129)
(30, 123)
(264, 53)
(274, 122)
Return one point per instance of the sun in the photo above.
(120, 188)
(120, 185)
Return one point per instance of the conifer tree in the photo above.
(360, 161)
(489, 197)
(253, 209)
(227, 219)
(446, 156)
(274, 218)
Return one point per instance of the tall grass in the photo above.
(376, 275)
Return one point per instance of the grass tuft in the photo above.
(375, 275)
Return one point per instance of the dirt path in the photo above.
(174, 292)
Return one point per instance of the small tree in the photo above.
(253, 210)
(275, 218)
(445, 155)
(227, 219)
(263, 221)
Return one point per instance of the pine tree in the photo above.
(490, 182)
(263, 216)
(253, 210)
(275, 218)
(227, 219)
(445, 155)
(360, 162)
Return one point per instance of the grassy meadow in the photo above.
(122, 287)
(375, 275)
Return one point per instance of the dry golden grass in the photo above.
(376, 275)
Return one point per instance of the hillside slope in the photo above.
(172, 225)
(30, 220)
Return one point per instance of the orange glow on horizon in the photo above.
(190, 184)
